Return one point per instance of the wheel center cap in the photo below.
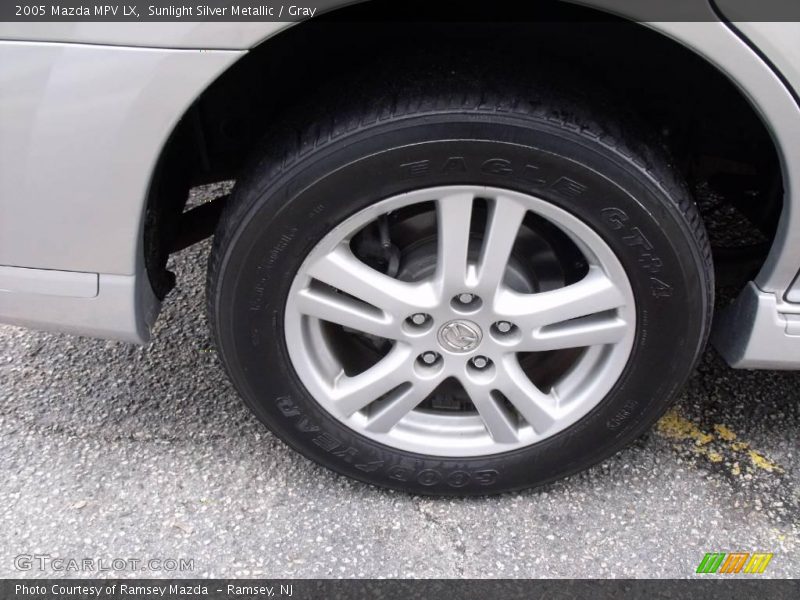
(460, 335)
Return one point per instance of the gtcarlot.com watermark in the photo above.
(67, 564)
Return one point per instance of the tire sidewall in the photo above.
(288, 214)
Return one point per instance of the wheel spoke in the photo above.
(398, 407)
(536, 407)
(454, 213)
(545, 318)
(503, 223)
(346, 311)
(594, 331)
(342, 270)
(351, 394)
(499, 422)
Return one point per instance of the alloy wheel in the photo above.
(460, 321)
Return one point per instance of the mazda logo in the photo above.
(460, 336)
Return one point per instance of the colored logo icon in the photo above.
(734, 562)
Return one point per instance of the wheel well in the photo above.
(714, 135)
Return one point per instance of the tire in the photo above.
(308, 181)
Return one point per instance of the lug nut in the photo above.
(419, 318)
(429, 357)
(480, 362)
(503, 326)
(465, 298)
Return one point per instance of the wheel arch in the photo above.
(710, 41)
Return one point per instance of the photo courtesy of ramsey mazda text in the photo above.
(450, 257)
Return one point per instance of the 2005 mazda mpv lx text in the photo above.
(458, 257)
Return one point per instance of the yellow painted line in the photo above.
(762, 462)
(713, 446)
(676, 427)
(724, 433)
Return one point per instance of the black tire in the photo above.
(306, 181)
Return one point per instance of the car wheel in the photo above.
(450, 294)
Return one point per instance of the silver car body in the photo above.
(86, 108)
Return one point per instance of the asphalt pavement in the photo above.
(110, 451)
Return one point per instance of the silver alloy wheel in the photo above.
(463, 302)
